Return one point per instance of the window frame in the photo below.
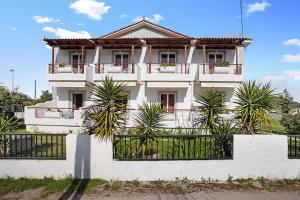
(168, 57)
(122, 57)
(175, 100)
(215, 53)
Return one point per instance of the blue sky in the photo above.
(273, 56)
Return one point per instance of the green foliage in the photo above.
(45, 96)
(107, 113)
(8, 124)
(285, 102)
(225, 130)
(291, 123)
(9, 99)
(62, 65)
(274, 126)
(254, 101)
(167, 64)
(222, 64)
(211, 105)
(147, 120)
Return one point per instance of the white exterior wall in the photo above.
(253, 156)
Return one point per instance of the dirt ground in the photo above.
(168, 191)
(223, 195)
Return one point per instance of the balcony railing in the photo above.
(175, 68)
(121, 68)
(66, 68)
(212, 69)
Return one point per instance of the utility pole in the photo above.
(242, 22)
(34, 89)
(12, 79)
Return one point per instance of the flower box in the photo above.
(64, 69)
(222, 70)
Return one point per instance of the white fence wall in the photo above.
(254, 156)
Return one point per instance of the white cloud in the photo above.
(273, 78)
(13, 28)
(292, 42)
(288, 75)
(291, 58)
(257, 7)
(123, 16)
(294, 74)
(64, 33)
(155, 18)
(91, 8)
(40, 19)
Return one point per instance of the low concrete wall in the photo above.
(254, 156)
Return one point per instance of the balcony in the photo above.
(72, 75)
(124, 72)
(212, 73)
(162, 72)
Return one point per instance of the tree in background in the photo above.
(45, 96)
(291, 123)
(286, 102)
(5, 100)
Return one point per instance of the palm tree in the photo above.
(107, 113)
(211, 104)
(223, 141)
(147, 120)
(254, 101)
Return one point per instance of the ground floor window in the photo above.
(168, 102)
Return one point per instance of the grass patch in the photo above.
(50, 185)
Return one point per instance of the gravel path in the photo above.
(228, 195)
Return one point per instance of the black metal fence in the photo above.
(32, 146)
(173, 147)
(294, 146)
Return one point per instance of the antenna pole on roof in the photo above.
(242, 23)
(144, 18)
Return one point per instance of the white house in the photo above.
(156, 64)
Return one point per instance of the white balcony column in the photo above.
(97, 59)
(150, 58)
(140, 69)
(237, 66)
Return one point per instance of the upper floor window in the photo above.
(76, 58)
(121, 59)
(215, 57)
(168, 57)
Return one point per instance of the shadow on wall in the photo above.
(82, 168)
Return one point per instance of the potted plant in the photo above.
(64, 68)
(167, 67)
(221, 67)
